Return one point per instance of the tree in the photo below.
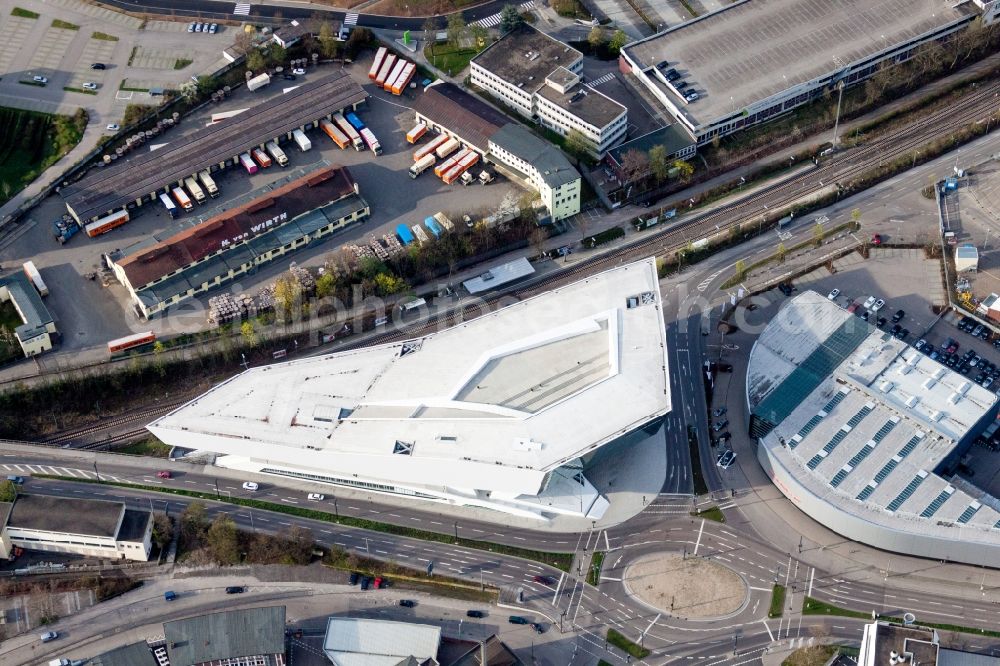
(387, 284)
(248, 333)
(278, 54)
(479, 34)
(192, 524)
(158, 349)
(510, 19)
(255, 61)
(781, 252)
(741, 269)
(635, 165)
(223, 541)
(430, 30)
(596, 37)
(856, 218)
(578, 145)
(325, 284)
(818, 234)
(163, 530)
(298, 544)
(618, 40)
(659, 163)
(8, 491)
(456, 28)
(359, 39)
(537, 239)
(327, 40)
(684, 169)
(287, 294)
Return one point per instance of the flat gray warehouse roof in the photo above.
(240, 633)
(111, 188)
(754, 49)
(68, 516)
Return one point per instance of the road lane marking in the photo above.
(812, 574)
(698, 542)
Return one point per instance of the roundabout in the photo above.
(685, 587)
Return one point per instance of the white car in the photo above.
(112, 127)
(879, 304)
(726, 459)
(250, 485)
(299, 71)
(40, 79)
(316, 497)
(49, 636)
(833, 294)
(869, 303)
(90, 85)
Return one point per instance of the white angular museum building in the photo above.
(499, 412)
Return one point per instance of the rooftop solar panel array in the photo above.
(969, 512)
(937, 503)
(905, 494)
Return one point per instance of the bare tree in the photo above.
(635, 165)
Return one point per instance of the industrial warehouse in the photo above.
(864, 433)
(283, 217)
(142, 178)
(753, 60)
(502, 412)
(446, 108)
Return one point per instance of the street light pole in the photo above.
(836, 123)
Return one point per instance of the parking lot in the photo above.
(89, 314)
(979, 225)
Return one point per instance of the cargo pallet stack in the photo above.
(225, 308)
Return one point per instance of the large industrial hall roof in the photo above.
(501, 399)
(868, 427)
(754, 49)
(111, 188)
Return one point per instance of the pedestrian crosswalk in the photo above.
(242, 9)
(351, 19)
(494, 20)
(610, 76)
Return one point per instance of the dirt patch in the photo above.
(686, 587)
(414, 7)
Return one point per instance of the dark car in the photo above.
(539, 629)
(354, 577)
(880, 322)
(235, 589)
(898, 316)
(475, 613)
(719, 412)
(365, 582)
(288, 77)
(407, 603)
(98, 65)
(517, 619)
(544, 580)
(725, 367)
(725, 437)
(895, 329)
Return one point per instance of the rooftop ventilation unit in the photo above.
(954, 397)
(912, 401)
(937, 415)
(886, 387)
(929, 383)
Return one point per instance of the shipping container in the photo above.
(404, 233)
(182, 199)
(442, 169)
(36, 278)
(277, 153)
(377, 63)
(383, 71)
(348, 129)
(422, 165)
(429, 148)
(369, 138)
(261, 158)
(432, 225)
(170, 206)
(447, 148)
(209, 183)
(352, 118)
(331, 131)
(443, 220)
(195, 189)
(414, 134)
(404, 79)
(464, 163)
(419, 232)
(248, 163)
(301, 140)
(65, 228)
(109, 222)
(258, 82)
(131, 342)
(394, 74)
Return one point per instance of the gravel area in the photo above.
(686, 587)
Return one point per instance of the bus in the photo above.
(169, 205)
(131, 342)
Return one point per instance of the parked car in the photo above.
(407, 603)
(880, 322)
(354, 577)
(113, 127)
(725, 437)
(517, 619)
(198, 27)
(869, 302)
(316, 497)
(299, 71)
(49, 636)
(16, 480)
(878, 305)
(213, 28)
(950, 346)
(720, 425)
(877, 239)
(719, 412)
(898, 316)
(235, 589)
(90, 85)
(379, 582)
(833, 294)
(164, 474)
(250, 485)
(921, 343)
(539, 629)
(365, 582)
(475, 613)
(98, 65)
(191, 27)
(169, 595)
(40, 79)
(852, 308)
(726, 459)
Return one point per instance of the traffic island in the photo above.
(686, 587)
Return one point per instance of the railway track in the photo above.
(83, 433)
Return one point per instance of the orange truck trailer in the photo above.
(334, 133)
(414, 134)
(429, 148)
(377, 64)
(463, 165)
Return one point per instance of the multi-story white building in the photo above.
(502, 412)
(539, 77)
(94, 528)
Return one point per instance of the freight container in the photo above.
(383, 71)
(371, 141)
(169, 205)
(404, 233)
(432, 225)
(209, 183)
(192, 186)
(301, 140)
(429, 148)
(443, 220)
(65, 228)
(109, 222)
(404, 79)
(419, 232)
(248, 163)
(348, 129)
(352, 118)
(258, 82)
(261, 158)
(377, 63)
(182, 199)
(464, 163)
(421, 165)
(447, 148)
(414, 134)
(277, 153)
(394, 74)
(35, 277)
(331, 131)
(442, 169)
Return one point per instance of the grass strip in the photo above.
(64, 25)
(181, 63)
(622, 643)
(594, 574)
(560, 561)
(711, 513)
(79, 90)
(23, 13)
(103, 36)
(777, 601)
(813, 606)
